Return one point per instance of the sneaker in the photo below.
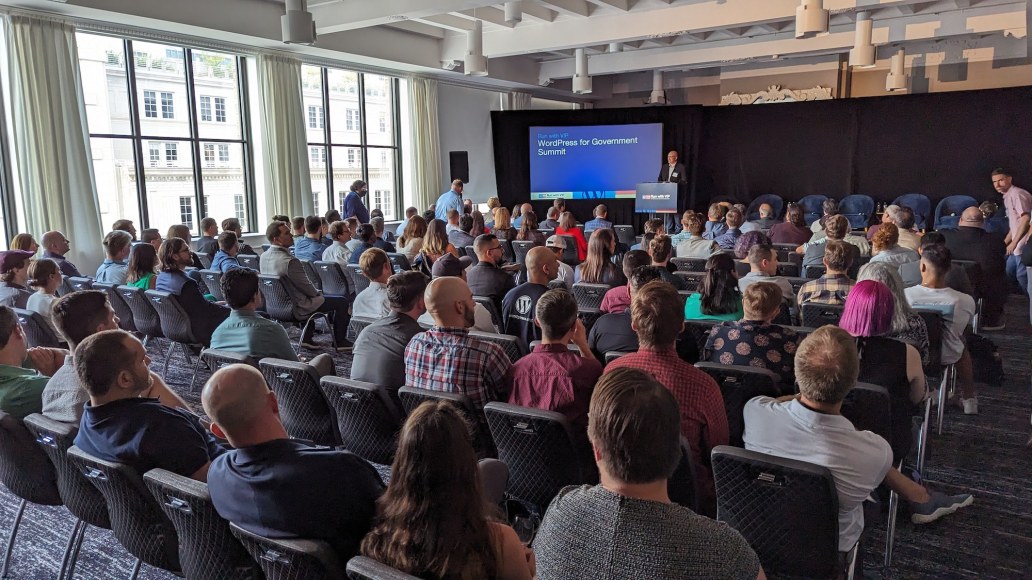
(938, 506)
(970, 406)
(344, 345)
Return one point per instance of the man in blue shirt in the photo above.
(114, 269)
(409, 214)
(516, 223)
(353, 206)
(312, 245)
(279, 487)
(600, 222)
(451, 199)
(121, 423)
(226, 258)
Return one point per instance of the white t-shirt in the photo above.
(957, 311)
(565, 275)
(372, 302)
(858, 460)
(481, 320)
(42, 303)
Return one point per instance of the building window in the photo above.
(223, 154)
(205, 109)
(383, 159)
(168, 110)
(240, 210)
(316, 119)
(209, 155)
(317, 156)
(150, 104)
(351, 121)
(171, 154)
(220, 110)
(186, 210)
(383, 122)
(351, 158)
(154, 153)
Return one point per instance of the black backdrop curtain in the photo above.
(936, 144)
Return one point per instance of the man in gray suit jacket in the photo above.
(307, 299)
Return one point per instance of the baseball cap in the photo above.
(449, 265)
(555, 242)
(11, 259)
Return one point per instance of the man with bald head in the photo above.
(446, 358)
(519, 303)
(766, 221)
(971, 242)
(55, 246)
(279, 487)
(523, 211)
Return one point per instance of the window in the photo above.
(383, 122)
(317, 156)
(316, 118)
(352, 120)
(240, 211)
(168, 110)
(209, 155)
(186, 210)
(351, 157)
(155, 153)
(220, 110)
(205, 109)
(150, 104)
(171, 154)
(223, 154)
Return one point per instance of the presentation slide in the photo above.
(656, 198)
(593, 162)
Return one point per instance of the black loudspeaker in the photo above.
(458, 161)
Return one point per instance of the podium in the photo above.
(655, 198)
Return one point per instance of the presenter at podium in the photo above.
(672, 171)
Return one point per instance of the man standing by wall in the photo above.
(451, 199)
(1018, 203)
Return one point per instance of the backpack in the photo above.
(985, 360)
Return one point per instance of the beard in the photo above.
(469, 316)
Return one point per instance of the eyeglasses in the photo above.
(494, 248)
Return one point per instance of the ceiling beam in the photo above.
(624, 5)
(447, 22)
(353, 14)
(487, 14)
(571, 7)
(538, 12)
(419, 28)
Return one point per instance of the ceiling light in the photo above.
(811, 19)
(897, 77)
(581, 80)
(863, 54)
(297, 24)
(513, 12)
(475, 63)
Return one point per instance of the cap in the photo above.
(449, 265)
(555, 242)
(11, 259)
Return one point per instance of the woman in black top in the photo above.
(598, 267)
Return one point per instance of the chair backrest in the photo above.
(817, 315)
(357, 325)
(919, 203)
(613, 355)
(471, 253)
(313, 275)
(489, 305)
(76, 283)
(814, 271)
(796, 283)
(37, 331)
(399, 262)
(787, 510)
(279, 304)
(624, 234)
(367, 419)
(933, 322)
(216, 359)
(360, 280)
(513, 346)
(204, 258)
(250, 261)
(136, 519)
(282, 559)
(334, 281)
(302, 406)
(858, 209)
(520, 249)
(142, 312)
(362, 568)
(79, 496)
(126, 316)
(539, 449)
(508, 254)
(411, 398)
(692, 280)
(699, 330)
(689, 264)
(24, 467)
(175, 323)
(775, 201)
(570, 255)
(683, 485)
(590, 295)
(947, 213)
(788, 269)
(207, 549)
(867, 407)
(739, 384)
(812, 207)
(213, 281)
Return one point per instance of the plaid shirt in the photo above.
(449, 360)
(699, 402)
(828, 289)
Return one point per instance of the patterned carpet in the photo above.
(984, 455)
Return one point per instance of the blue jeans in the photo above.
(1017, 272)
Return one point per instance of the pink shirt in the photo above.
(616, 300)
(1018, 202)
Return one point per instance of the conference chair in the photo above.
(311, 273)
(250, 261)
(814, 271)
(689, 264)
(588, 317)
(83, 500)
(126, 316)
(279, 305)
(541, 452)
(492, 309)
(796, 283)
(513, 346)
(412, 397)
(933, 371)
(357, 325)
(399, 262)
(817, 315)
(624, 234)
(471, 253)
(787, 510)
(204, 258)
(177, 328)
(367, 419)
(213, 281)
(520, 249)
(290, 559)
(858, 209)
(919, 203)
(141, 311)
(359, 278)
(37, 331)
(590, 295)
(76, 283)
(613, 355)
(333, 279)
(699, 330)
(947, 213)
(813, 207)
(788, 269)
(302, 406)
(207, 549)
(362, 568)
(692, 280)
(507, 252)
(136, 519)
(684, 295)
(570, 255)
(775, 201)
(738, 385)
(28, 474)
(215, 359)
(683, 485)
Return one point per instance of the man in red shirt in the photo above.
(656, 317)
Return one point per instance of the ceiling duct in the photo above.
(863, 54)
(298, 26)
(581, 80)
(811, 19)
(475, 63)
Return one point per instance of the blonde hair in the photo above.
(761, 300)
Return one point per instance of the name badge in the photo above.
(674, 174)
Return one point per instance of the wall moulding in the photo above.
(777, 94)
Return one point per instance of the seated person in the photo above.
(55, 247)
(834, 285)
(312, 245)
(904, 221)
(684, 234)
(519, 304)
(14, 275)
(204, 316)
(113, 270)
(885, 247)
(627, 527)
(21, 389)
(767, 219)
(718, 297)
(488, 277)
(207, 244)
(652, 227)
(598, 266)
(378, 241)
(233, 225)
(727, 239)
(279, 487)
(612, 332)
(973, 241)
(79, 315)
(142, 271)
(372, 301)
(618, 299)
(126, 226)
(528, 231)
(366, 237)
(810, 427)
(452, 222)
(715, 226)
(956, 277)
(379, 354)
(600, 222)
(763, 267)
(297, 228)
(246, 332)
(45, 278)
(558, 246)
(120, 424)
(754, 341)
(226, 258)
(430, 522)
(338, 251)
(793, 230)
(450, 266)
(153, 237)
(460, 238)
(696, 246)
(838, 227)
(660, 249)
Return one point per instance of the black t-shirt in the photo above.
(490, 281)
(612, 332)
(518, 311)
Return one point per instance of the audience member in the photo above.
(836, 230)
(452, 222)
(379, 239)
(519, 214)
(372, 302)
(487, 277)
(338, 251)
(568, 227)
(25, 243)
(431, 522)
(207, 244)
(120, 424)
(45, 278)
(125, 226)
(885, 247)
(55, 246)
(410, 212)
(600, 222)
(226, 258)
(410, 241)
(793, 230)
(970, 241)
(153, 237)
(715, 226)
(233, 225)
(354, 243)
(613, 332)
(683, 234)
(379, 354)
(727, 239)
(278, 487)
(811, 428)
(904, 222)
(459, 236)
(766, 221)
(14, 275)
(834, 285)
(598, 266)
(353, 205)
(280, 218)
(696, 246)
(307, 300)
(627, 527)
(142, 271)
(116, 246)
(479, 227)
(654, 316)
(502, 226)
(551, 219)
(887, 217)
(448, 266)
(204, 315)
(618, 298)
(518, 305)
(956, 276)
(763, 264)
(21, 389)
(515, 215)
(529, 229)
(660, 249)
(651, 229)
(907, 325)
(746, 241)
(311, 246)
(719, 297)
(558, 247)
(435, 245)
(451, 199)
(366, 237)
(829, 208)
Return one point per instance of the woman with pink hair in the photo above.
(884, 361)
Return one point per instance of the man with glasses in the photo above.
(488, 278)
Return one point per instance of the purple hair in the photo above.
(748, 240)
(869, 309)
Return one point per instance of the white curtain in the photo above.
(288, 182)
(519, 101)
(426, 138)
(55, 168)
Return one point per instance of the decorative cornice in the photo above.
(776, 94)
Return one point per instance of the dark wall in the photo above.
(936, 144)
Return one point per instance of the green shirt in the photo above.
(247, 333)
(21, 391)
(144, 283)
(693, 310)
